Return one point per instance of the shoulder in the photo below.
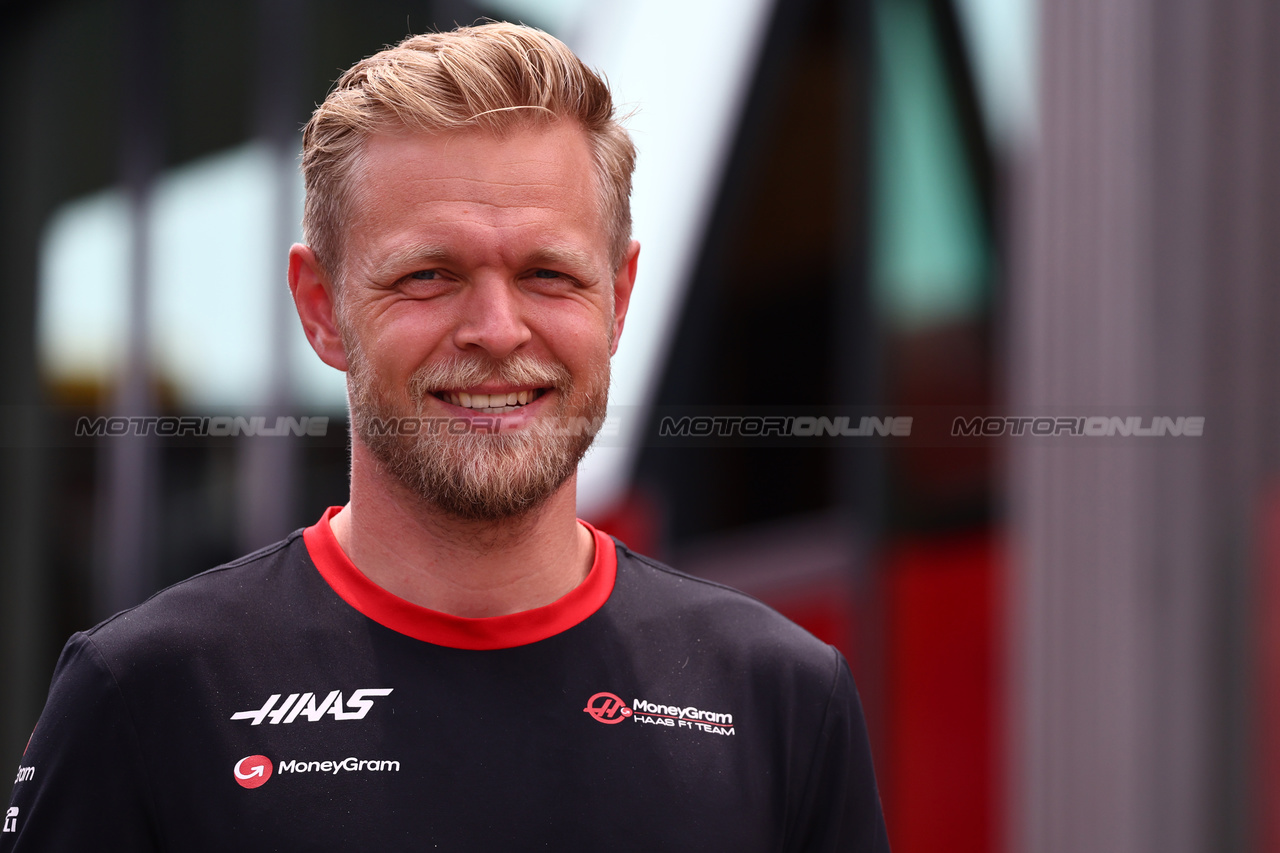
(239, 601)
(725, 622)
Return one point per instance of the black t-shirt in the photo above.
(285, 702)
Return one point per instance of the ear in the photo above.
(314, 298)
(623, 280)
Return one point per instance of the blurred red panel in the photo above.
(943, 608)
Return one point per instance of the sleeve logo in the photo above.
(253, 771)
(11, 819)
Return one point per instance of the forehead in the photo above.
(525, 181)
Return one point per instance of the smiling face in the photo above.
(478, 304)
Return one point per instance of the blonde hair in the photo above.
(495, 76)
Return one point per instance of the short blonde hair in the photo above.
(495, 76)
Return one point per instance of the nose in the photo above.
(491, 318)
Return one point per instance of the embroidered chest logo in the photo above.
(609, 708)
(312, 708)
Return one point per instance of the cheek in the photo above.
(586, 350)
(578, 331)
(409, 340)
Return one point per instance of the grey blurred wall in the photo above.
(1145, 276)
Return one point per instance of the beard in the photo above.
(477, 474)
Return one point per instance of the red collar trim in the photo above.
(442, 629)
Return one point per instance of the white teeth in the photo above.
(490, 403)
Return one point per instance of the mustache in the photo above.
(462, 372)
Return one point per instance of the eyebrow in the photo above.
(423, 254)
(558, 256)
(415, 255)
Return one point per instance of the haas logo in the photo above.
(312, 707)
(253, 771)
(607, 708)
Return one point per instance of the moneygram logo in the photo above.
(607, 708)
(253, 771)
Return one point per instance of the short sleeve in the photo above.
(81, 784)
(840, 810)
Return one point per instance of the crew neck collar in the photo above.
(443, 629)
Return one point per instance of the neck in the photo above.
(464, 568)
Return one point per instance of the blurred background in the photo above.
(862, 208)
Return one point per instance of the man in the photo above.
(452, 661)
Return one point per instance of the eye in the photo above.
(426, 284)
(553, 279)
